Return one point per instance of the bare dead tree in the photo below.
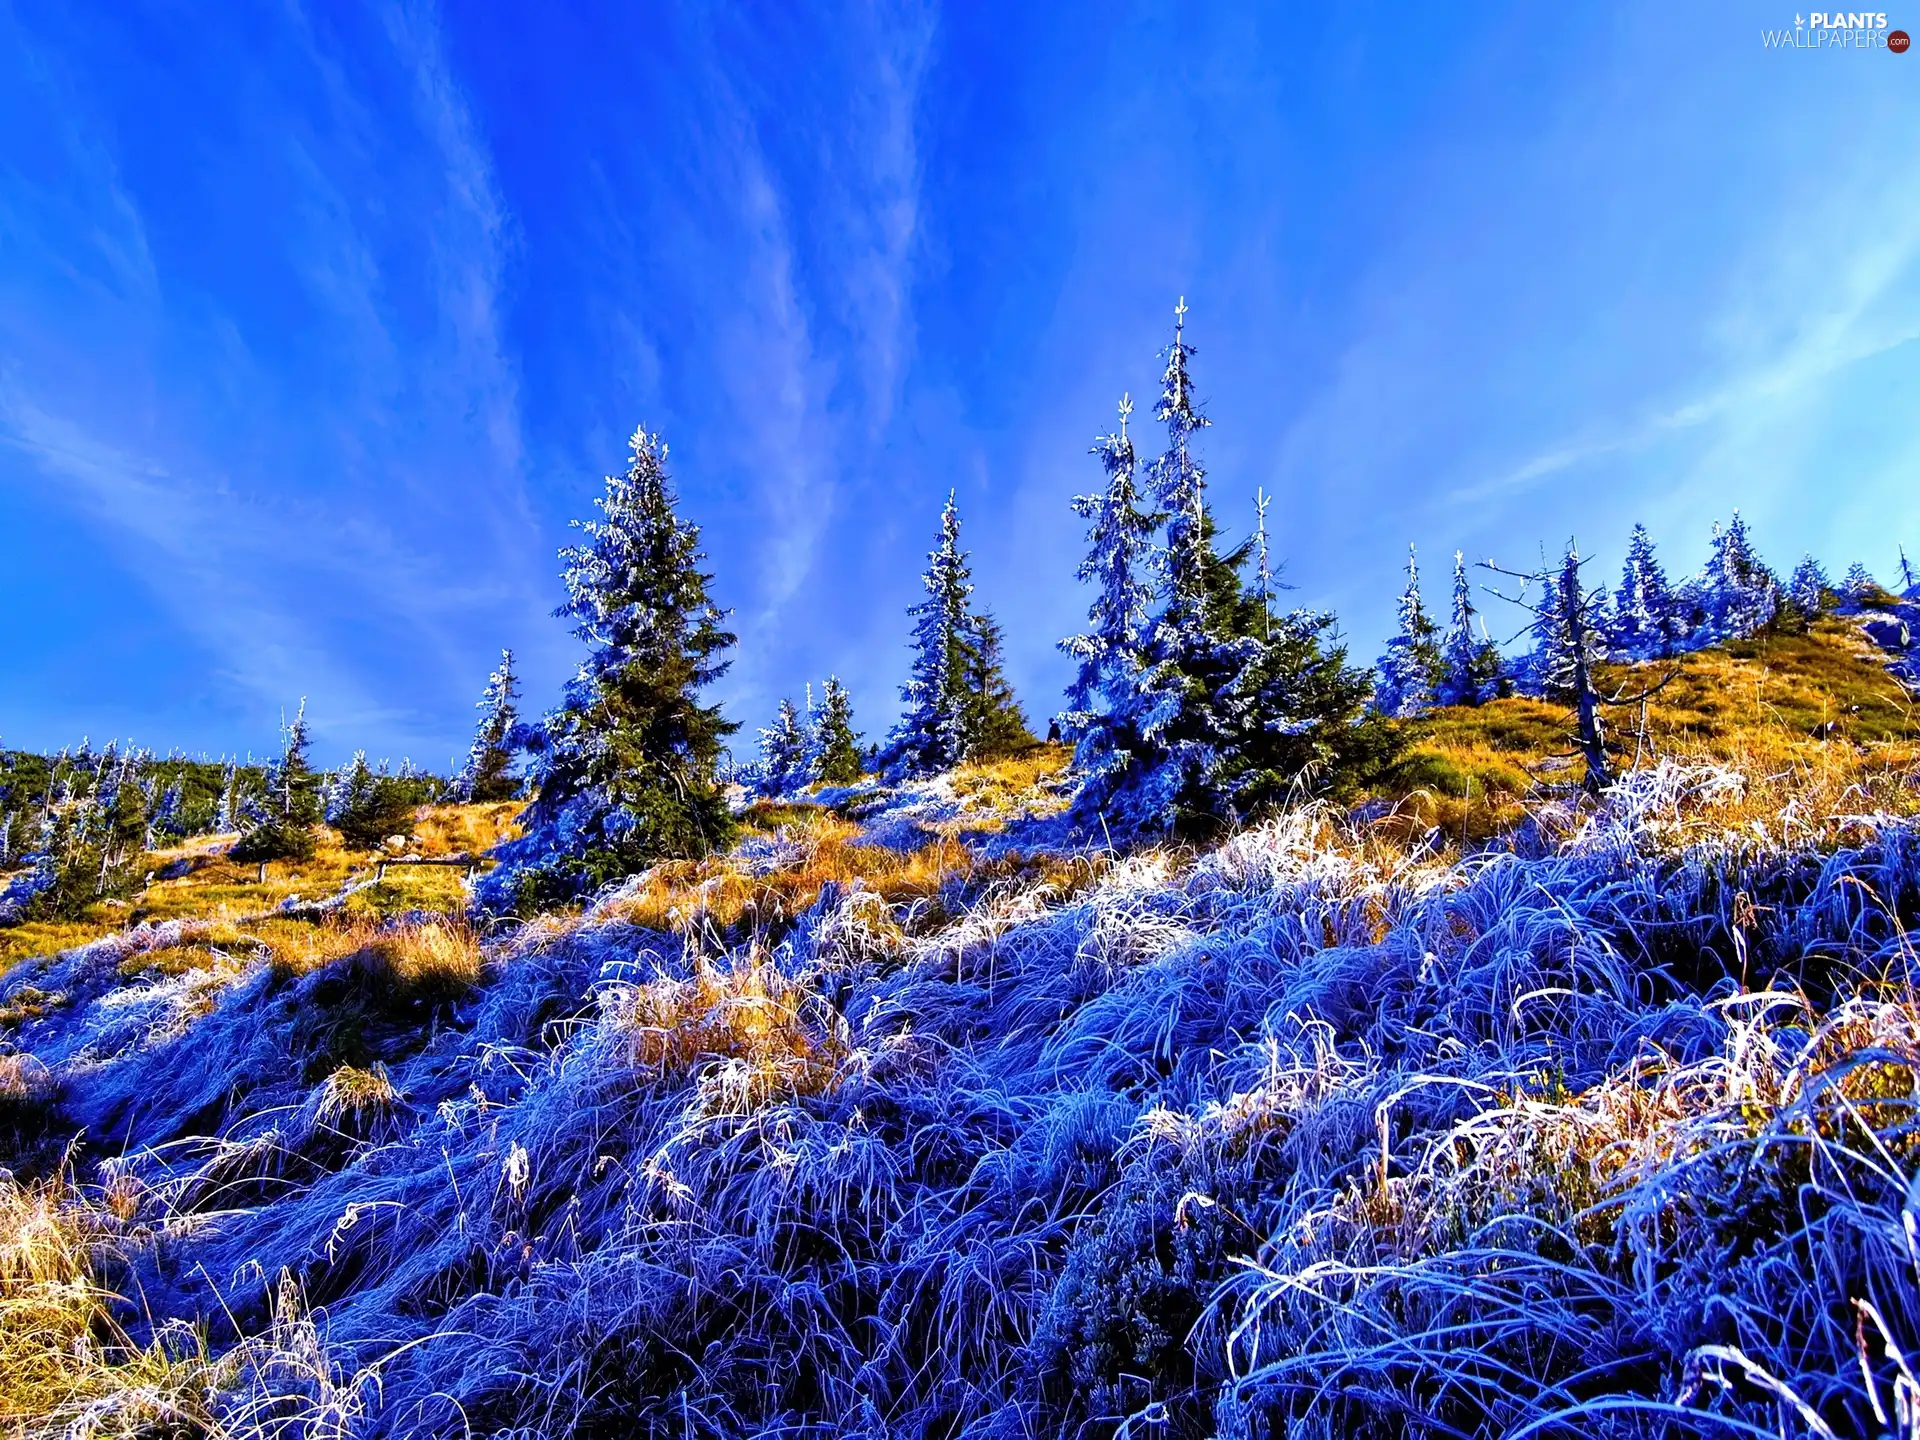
(1568, 623)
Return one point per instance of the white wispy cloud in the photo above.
(383, 513)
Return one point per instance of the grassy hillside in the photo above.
(1815, 712)
(918, 1114)
(197, 881)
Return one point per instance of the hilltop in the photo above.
(921, 1110)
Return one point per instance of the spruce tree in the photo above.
(783, 752)
(226, 815)
(1908, 580)
(956, 703)
(348, 787)
(836, 743)
(486, 775)
(1808, 591)
(626, 766)
(1179, 486)
(1859, 584)
(1569, 646)
(931, 732)
(120, 822)
(1738, 594)
(1263, 575)
(1296, 722)
(1231, 709)
(810, 722)
(1646, 619)
(165, 820)
(1469, 661)
(367, 805)
(282, 828)
(1190, 653)
(995, 724)
(1099, 721)
(1568, 643)
(1411, 666)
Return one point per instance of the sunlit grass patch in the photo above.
(722, 892)
(212, 887)
(62, 1353)
(771, 817)
(1014, 775)
(47, 937)
(438, 956)
(752, 1035)
(470, 829)
(1813, 715)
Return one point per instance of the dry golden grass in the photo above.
(746, 1015)
(1813, 716)
(722, 893)
(439, 956)
(1014, 785)
(472, 829)
(358, 1100)
(685, 895)
(61, 1351)
(727, 894)
(171, 960)
(47, 937)
(215, 888)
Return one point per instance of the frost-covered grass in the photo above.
(796, 853)
(67, 1365)
(919, 1115)
(1318, 1132)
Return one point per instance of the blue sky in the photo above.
(317, 325)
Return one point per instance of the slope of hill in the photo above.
(918, 1115)
(1813, 711)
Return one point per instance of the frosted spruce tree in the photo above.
(1808, 591)
(1102, 713)
(836, 744)
(1646, 614)
(1469, 660)
(810, 724)
(226, 814)
(1569, 645)
(167, 819)
(1859, 586)
(487, 773)
(347, 788)
(1737, 594)
(281, 827)
(931, 734)
(1189, 662)
(367, 805)
(783, 752)
(1231, 709)
(1411, 665)
(119, 822)
(626, 766)
(956, 703)
(91, 841)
